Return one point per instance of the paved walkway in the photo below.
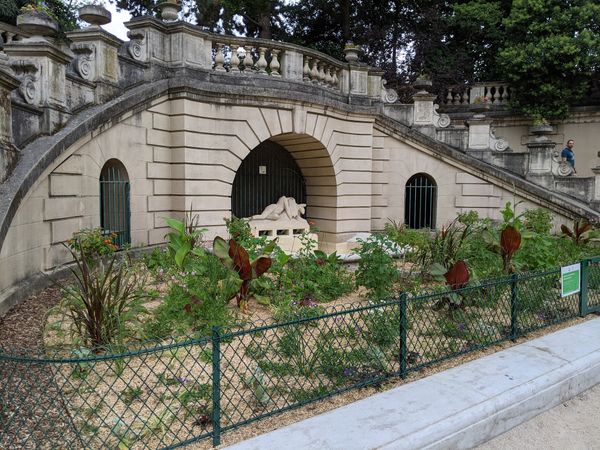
(460, 407)
(572, 425)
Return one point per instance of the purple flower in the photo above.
(461, 327)
(347, 372)
(183, 380)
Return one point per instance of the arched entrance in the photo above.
(265, 175)
(420, 198)
(115, 213)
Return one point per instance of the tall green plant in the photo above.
(105, 300)
(377, 270)
(184, 237)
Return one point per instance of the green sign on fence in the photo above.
(570, 279)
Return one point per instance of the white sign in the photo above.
(262, 170)
(570, 279)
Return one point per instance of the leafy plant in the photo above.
(510, 242)
(105, 299)
(377, 269)
(580, 232)
(197, 299)
(410, 241)
(183, 237)
(94, 242)
(442, 252)
(131, 393)
(236, 257)
(538, 220)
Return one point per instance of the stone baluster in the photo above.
(235, 59)
(495, 98)
(328, 77)
(262, 64)
(336, 80)
(449, 97)
(306, 68)
(248, 60)
(321, 73)
(465, 97)
(219, 58)
(275, 65)
(314, 73)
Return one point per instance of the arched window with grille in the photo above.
(420, 201)
(115, 214)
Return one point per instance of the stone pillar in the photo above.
(292, 65)
(596, 198)
(375, 76)
(8, 153)
(96, 60)
(358, 79)
(479, 137)
(423, 111)
(41, 68)
(541, 149)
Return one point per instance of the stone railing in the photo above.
(10, 33)
(276, 59)
(497, 94)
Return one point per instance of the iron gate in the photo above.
(115, 214)
(420, 199)
(266, 174)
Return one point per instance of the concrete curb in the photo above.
(460, 407)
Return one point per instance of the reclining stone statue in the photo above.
(286, 208)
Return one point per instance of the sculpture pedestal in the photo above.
(286, 231)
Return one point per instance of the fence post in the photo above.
(216, 391)
(403, 326)
(513, 306)
(583, 291)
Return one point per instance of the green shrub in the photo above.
(106, 301)
(377, 270)
(197, 300)
(93, 242)
(538, 220)
(412, 241)
(184, 237)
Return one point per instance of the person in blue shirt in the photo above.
(568, 155)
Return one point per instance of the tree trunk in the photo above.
(346, 20)
(265, 27)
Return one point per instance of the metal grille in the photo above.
(115, 215)
(266, 174)
(420, 202)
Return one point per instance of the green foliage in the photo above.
(377, 269)
(93, 242)
(196, 301)
(580, 233)
(538, 220)
(409, 240)
(549, 54)
(106, 300)
(184, 237)
(131, 393)
(443, 250)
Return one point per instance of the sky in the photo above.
(116, 26)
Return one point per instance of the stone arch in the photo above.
(420, 201)
(321, 183)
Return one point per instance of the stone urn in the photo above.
(541, 129)
(352, 52)
(37, 24)
(95, 15)
(169, 11)
(422, 84)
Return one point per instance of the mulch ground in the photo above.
(32, 414)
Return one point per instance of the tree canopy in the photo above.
(549, 50)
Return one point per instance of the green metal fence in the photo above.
(170, 395)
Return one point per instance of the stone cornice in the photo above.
(21, 49)
(7, 81)
(95, 34)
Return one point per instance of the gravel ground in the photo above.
(572, 425)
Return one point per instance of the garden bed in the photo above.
(143, 374)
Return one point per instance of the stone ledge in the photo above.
(460, 407)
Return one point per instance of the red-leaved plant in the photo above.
(580, 232)
(234, 256)
(458, 275)
(510, 242)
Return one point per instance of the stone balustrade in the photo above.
(276, 59)
(497, 94)
(10, 33)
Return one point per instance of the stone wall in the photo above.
(183, 153)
